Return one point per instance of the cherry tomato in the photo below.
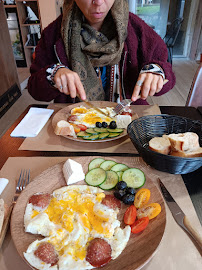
(126, 113)
(82, 127)
(139, 225)
(76, 128)
(150, 210)
(142, 197)
(130, 215)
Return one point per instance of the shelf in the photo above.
(29, 24)
(10, 6)
(30, 47)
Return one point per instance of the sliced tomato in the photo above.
(76, 128)
(82, 127)
(126, 113)
(130, 215)
(150, 210)
(142, 197)
(139, 225)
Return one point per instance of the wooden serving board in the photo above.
(140, 248)
(63, 115)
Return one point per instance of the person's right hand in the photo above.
(69, 83)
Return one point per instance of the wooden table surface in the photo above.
(9, 148)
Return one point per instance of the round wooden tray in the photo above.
(140, 248)
(63, 115)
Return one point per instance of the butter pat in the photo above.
(3, 184)
(73, 172)
(122, 121)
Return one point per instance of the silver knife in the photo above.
(179, 215)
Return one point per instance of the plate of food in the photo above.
(81, 123)
(102, 221)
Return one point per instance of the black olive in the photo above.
(104, 124)
(128, 199)
(112, 125)
(130, 190)
(98, 124)
(121, 185)
(119, 193)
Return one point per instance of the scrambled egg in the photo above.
(74, 217)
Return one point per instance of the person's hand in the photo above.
(147, 85)
(69, 83)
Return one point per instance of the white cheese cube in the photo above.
(73, 172)
(122, 121)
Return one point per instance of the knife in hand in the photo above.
(179, 215)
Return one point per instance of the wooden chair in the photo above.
(195, 93)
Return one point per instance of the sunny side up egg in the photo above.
(74, 216)
(89, 117)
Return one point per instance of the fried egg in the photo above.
(89, 117)
(74, 216)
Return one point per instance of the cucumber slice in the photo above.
(119, 130)
(112, 135)
(95, 163)
(107, 164)
(100, 130)
(110, 181)
(91, 131)
(82, 134)
(95, 177)
(120, 175)
(134, 178)
(103, 135)
(119, 167)
(91, 137)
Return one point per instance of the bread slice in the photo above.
(160, 144)
(188, 154)
(188, 141)
(64, 128)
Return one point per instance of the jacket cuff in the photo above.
(51, 71)
(153, 68)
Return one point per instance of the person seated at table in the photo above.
(100, 51)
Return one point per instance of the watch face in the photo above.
(148, 67)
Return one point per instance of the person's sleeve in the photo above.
(154, 51)
(38, 85)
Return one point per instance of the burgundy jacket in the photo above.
(142, 46)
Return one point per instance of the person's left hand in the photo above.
(147, 85)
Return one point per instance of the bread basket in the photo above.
(145, 128)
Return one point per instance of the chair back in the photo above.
(195, 93)
(172, 32)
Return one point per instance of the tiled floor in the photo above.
(184, 70)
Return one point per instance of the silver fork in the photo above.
(23, 181)
(126, 102)
(121, 105)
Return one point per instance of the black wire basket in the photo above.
(145, 128)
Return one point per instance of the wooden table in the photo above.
(9, 148)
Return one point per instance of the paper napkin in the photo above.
(32, 123)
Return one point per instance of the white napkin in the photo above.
(32, 123)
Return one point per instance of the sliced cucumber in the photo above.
(112, 135)
(110, 181)
(82, 134)
(134, 178)
(91, 137)
(103, 135)
(119, 130)
(107, 164)
(100, 130)
(95, 163)
(95, 177)
(120, 175)
(91, 131)
(119, 167)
